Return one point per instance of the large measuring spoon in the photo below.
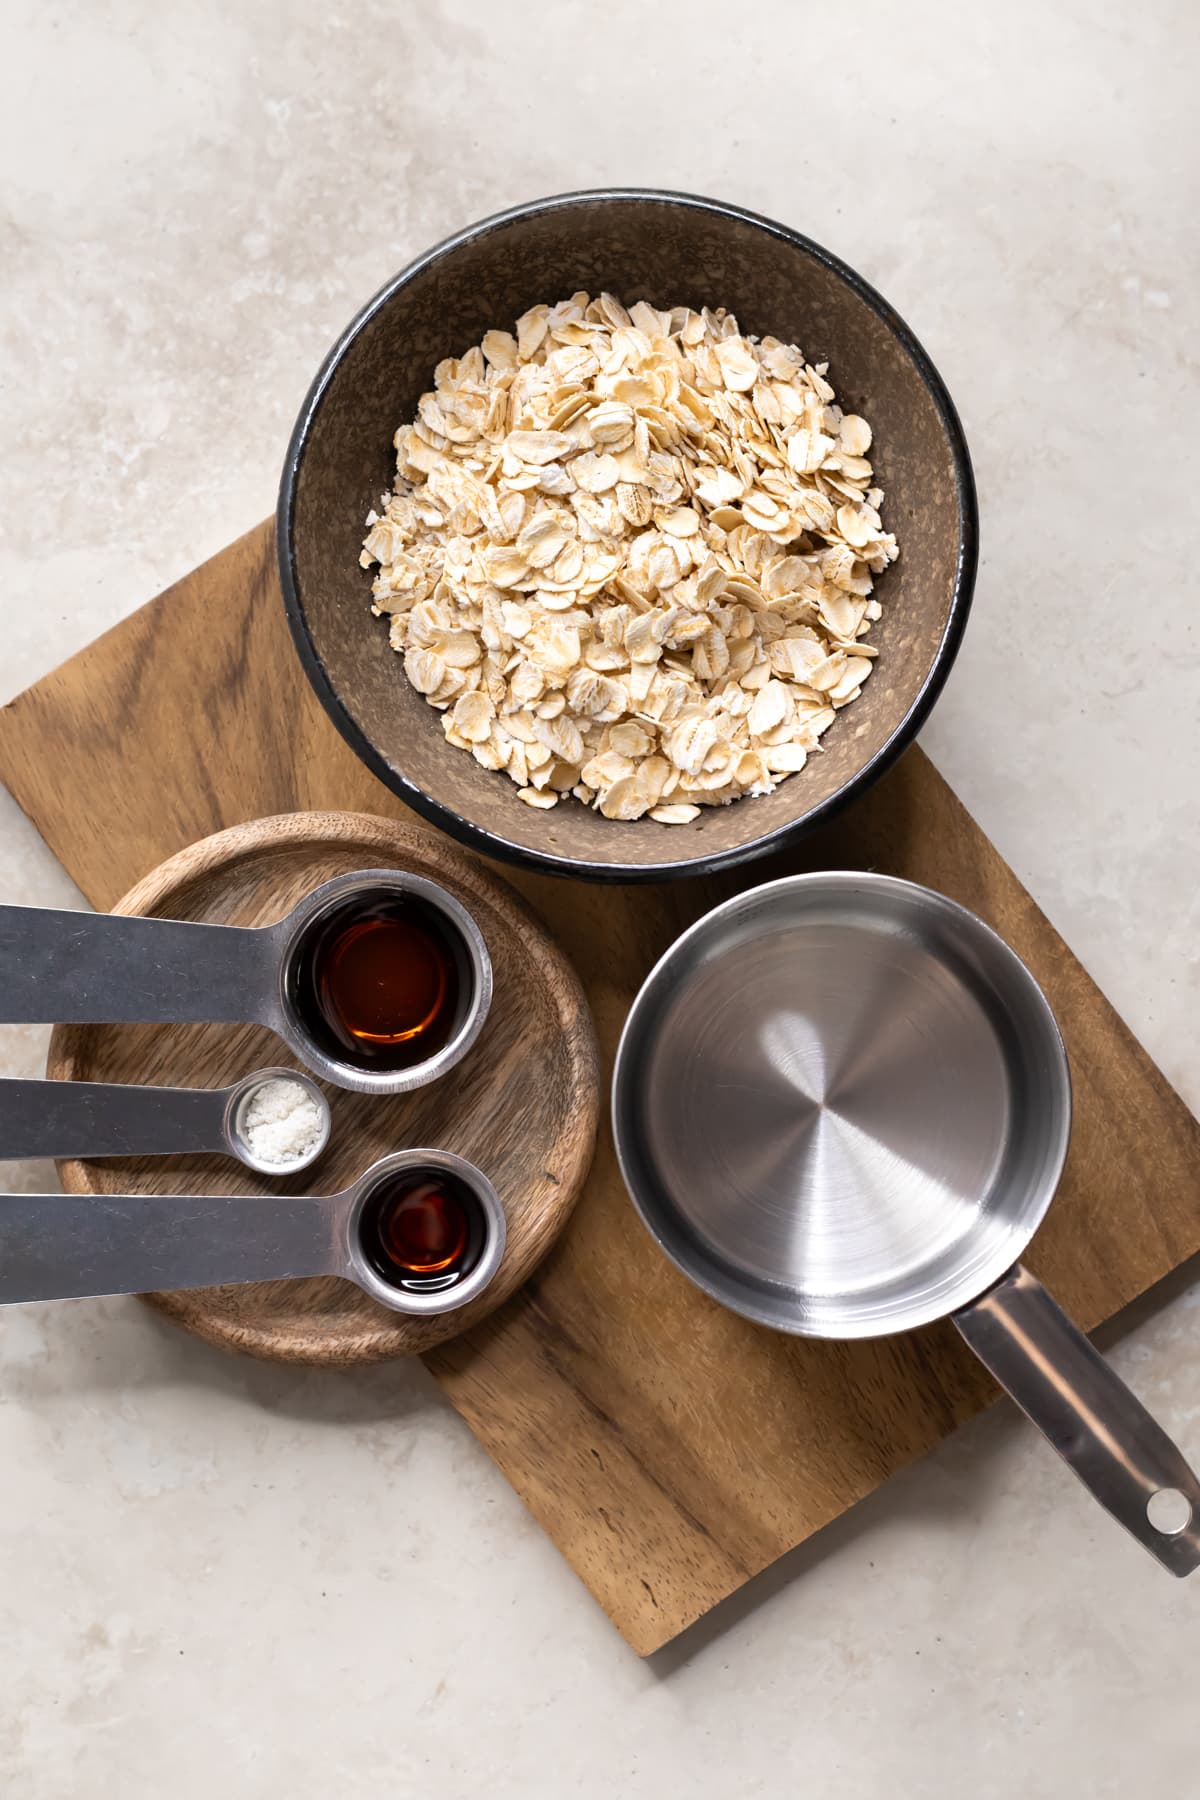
(422, 1232)
(102, 1118)
(86, 968)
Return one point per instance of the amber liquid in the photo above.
(423, 1230)
(382, 984)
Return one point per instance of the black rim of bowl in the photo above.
(478, 837)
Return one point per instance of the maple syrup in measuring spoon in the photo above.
(423, 1230)
(383, 981)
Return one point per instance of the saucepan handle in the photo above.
(1092, 1419)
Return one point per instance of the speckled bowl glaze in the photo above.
(670, 249)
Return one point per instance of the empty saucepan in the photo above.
(842, 1106)
(378, 980)
(422, 1231)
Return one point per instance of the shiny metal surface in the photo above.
(66, 1246)
(841, 1105)
(103, 1118)
(1093, 1420)
(59, 967)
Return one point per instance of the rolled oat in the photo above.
(629, 555)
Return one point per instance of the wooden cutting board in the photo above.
(670, 1449)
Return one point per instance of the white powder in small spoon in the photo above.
(282, 1123)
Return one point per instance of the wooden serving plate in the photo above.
(670, 1449)
(522, 1104)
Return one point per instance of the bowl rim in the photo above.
(493, 843)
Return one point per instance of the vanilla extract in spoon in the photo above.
(381, 981)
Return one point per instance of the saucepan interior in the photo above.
(841, 1105)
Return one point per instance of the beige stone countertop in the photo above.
(223, 1578)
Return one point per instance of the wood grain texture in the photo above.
(671, 1449)
(522, 1104)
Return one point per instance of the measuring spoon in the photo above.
(108, 968)
(102, 1118)
(66, 1246)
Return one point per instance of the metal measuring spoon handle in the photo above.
(95, 968)
(99, 1118)
(67, 1246)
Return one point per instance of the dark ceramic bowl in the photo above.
(669, 249)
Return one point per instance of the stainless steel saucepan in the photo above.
(842, 1106)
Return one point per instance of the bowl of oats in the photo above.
(627, 534)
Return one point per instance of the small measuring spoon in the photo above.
(101, 1118)
(66, 1246)
(110, 968)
